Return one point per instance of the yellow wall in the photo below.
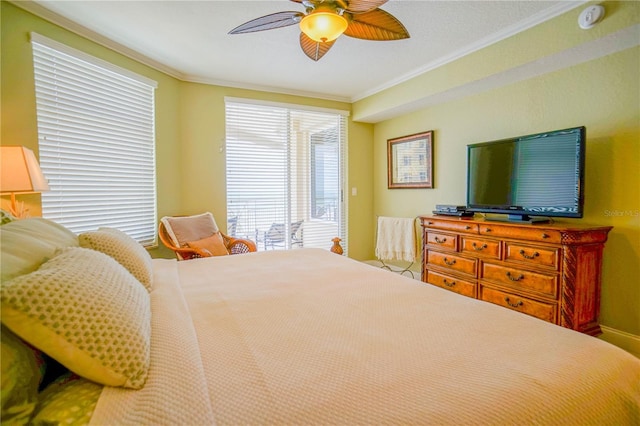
(602, 94)
(18, 103)
(189, 130)
(202, 119)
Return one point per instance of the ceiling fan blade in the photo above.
(363, 6)
(269, 22)
(376, 25)
(313, 49)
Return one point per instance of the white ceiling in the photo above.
(189, 40)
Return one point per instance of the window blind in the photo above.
(285, 171)
(96, 135)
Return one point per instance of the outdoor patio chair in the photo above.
(275, 236)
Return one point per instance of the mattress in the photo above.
(310, 337)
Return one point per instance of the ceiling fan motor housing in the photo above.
(324, 23)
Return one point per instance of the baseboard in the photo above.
(627, 341)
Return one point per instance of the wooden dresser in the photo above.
(550, 271)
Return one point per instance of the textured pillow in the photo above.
(127, 251)
(213, 245)
(70, 400)
(87, 312)
(21, 375)
(183, 229)
(28, 243)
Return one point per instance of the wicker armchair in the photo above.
(233, 245)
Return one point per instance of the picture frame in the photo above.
(410, 161)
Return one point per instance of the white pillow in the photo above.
(127, 251)
(28, 243)
(85, 310)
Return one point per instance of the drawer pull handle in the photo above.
(449, 262)
(449, 284)
(429, 223)
(512, 278)
(513, 305)
(440, 241)
(487, 229)
(545, 236)
(526, 256)
(467, 227)
(479, 248)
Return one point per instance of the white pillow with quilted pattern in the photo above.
(28, 243)
(127, 251)
(86, 311)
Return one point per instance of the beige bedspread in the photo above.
(309, 337)
(176, 391)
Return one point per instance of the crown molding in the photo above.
(618, 41)
(496, 37)
(270, 89)
(48, 15)
(67, 24)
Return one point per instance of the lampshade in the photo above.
(20, 173)
(323, 26)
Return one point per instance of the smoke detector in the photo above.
(590, 16)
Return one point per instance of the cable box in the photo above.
(457, 213)
(450, 208)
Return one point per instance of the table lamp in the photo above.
(20, 174)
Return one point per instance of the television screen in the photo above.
(534, 175)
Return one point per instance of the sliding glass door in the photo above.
(285, 174)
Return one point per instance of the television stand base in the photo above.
(519, 218)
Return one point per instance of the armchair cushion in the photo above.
(183, 229)
(213, 244)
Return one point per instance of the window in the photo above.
(96, 136)
(285, 174)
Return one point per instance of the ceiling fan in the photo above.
(325, 20)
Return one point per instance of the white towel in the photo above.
(396, 239)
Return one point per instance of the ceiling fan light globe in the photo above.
(323, 26)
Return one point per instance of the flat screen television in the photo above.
(528, 178)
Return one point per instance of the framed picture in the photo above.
(410, 161)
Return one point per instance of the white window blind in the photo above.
(285, 169)
(96, 141)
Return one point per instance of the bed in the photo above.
(310, 337)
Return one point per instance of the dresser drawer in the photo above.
(542, 310)
(545, 284)
(453, 262)
(532, 255)
(480, 247)
(455, 225)
(463, 287)
(441, 240)
(533, 233)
